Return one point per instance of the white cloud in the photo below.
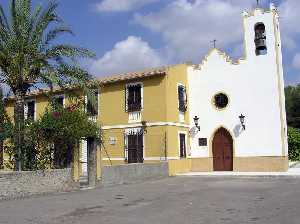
(187, 27)
(121, 5)
(128, 55)
(296, 61)
(289, 17)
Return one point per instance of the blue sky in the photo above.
(129, 35)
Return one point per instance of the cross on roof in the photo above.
(214, 42)
(257, 2)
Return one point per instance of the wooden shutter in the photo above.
(182, 145)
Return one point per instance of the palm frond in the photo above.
(53, 34)
(3, 19)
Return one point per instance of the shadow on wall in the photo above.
(193, 132)
(238, 129)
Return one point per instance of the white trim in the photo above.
(148, 125)
(186, 152)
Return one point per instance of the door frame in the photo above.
(127, 151)
(186, 144)
(84, 144)
(210, 153)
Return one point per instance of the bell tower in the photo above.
(262, 34)
(263, 56)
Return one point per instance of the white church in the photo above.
(242, 102)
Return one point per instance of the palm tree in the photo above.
(30, 55)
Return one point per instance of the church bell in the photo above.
(260, 37)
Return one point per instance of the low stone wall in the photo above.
(131, 173)
(26, 183)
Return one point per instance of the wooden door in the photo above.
(222, 151)
(135, 148)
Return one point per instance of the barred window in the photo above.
(30, 110)
(93, 104)
(134, 97)
(182, 99)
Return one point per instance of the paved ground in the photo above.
(294, 171)
(296, 165)
(178, 200)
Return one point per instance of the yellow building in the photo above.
(144, 117)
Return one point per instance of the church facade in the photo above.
(219, 115)
(241, 105)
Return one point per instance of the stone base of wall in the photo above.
(131, 173)
(260, 164)
(240, 164)
(202, 165)
(179, 166)
(26, 183)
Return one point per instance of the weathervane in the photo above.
(214, 42)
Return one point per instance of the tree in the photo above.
(6, 127)
(30, 55)
(292, 96)
(1, 126)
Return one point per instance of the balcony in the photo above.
(134, 117)
(93, 118)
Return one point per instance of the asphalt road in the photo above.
(178, 200)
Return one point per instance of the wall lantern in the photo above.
(196, 121)
(242, 120)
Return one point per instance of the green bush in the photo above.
(294, 144)
(49, 141)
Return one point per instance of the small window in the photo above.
(182, 146)
(202, 141)
(92, 104)
(30, 110)
(182, 99)
(221, 101)
(58, 101)
(134, 98)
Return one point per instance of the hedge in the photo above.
(294, 144)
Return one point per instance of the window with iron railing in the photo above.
(182, 99)
(30, 110)
(92, 104)
(58, 101)
(134, 98)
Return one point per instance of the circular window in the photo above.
(221, 100)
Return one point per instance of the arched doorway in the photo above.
(222, 148)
